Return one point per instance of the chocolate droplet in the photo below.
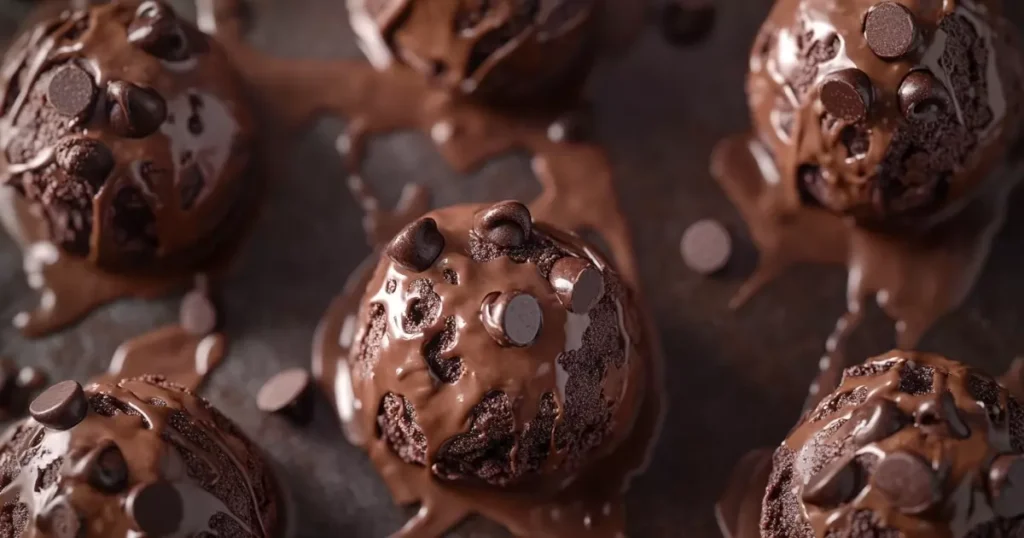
(940, 413)
(513, 318)
(1006, 484)
(907, 481)
(197, 314)
(877, 420)
(157, 508)
(890, 30)
(288, 393)
(86, 158)
(71, 91)
(135, 112)
(833, 485)
(506, 224)
(60, 407)
(107, 469)
(59, 520)
(923, 97)
(157, 31)
(846, 94)
(417, 246)
(578, 284)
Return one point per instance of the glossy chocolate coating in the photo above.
(828, 90)
(131, 152)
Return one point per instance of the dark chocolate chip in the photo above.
(907, 481)
(157, 508)
(86, 158)
(1006, 484)
(890, 30)
(198, 314)
(59, 520)
(878, 419)
(706, 246)
(506, 224)
(686, 22)
(578, 284)
(106, 469)
(941, 413)
(288, 393)
(157, 31)
(417, 246)
(71, 91)
(135, 112)
(833, 485)
(60, 407)
(847, 94)
(513, 318)
(923, 97)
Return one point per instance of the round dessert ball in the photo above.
(494, 349)
(125, 129)
(499, 50)
(910, 445)
(140, 458)
(885, 110)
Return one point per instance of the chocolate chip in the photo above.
(846, 94)
(106, 469)
(60, 407)
(197, 313)
(135, 112)
(685, 22)
(890, 30)
(706, 247)
(878, 419)
(288, 393)
(513, 318)
(86, 158)
(59, 520)
(907, 481)
(833, 485)
(157, 508)
(506, 224)
(417, 246)
(940, 413)
(923, 97)
(1006, 484)
(71, 91)
(578, 284)
(157, 31)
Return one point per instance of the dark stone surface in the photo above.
(736, 379)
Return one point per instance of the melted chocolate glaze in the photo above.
(174, 200)
(140, 431)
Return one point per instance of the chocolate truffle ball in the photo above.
(910, 445)
(492, 349)
(500, 50)
(885, 111)
(140, 458)
(125, 129)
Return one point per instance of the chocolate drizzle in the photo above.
(138, 435)
(139, 200)
(909, 204)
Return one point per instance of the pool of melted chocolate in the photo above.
(736, 378)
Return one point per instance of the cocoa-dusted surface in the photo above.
(735, 380)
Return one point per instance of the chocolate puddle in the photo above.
(915, 279)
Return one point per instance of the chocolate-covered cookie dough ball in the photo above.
(886, 110)
(140, 458)
(125, 129)
(494, 349)
(500, 50)
(911, 445)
